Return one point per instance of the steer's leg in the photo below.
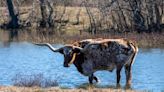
(128, 72)
(119, 67)
(91, 78)
(95, 78)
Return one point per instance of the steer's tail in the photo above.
(134, 47)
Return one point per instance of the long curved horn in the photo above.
(50, 46)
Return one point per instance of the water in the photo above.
(26, 58)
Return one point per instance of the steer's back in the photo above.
(106, 54)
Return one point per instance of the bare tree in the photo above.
(155, 13)
(13, 23)
(46, 13)
(138, 19)
(92, 28)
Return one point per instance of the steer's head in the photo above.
(70, 53)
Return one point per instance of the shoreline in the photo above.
(143, 40)
(57, 89)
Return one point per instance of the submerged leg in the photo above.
(91, 78)
(128, 72)
(119, 67)
(95, 78)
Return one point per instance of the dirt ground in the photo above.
(56, 89)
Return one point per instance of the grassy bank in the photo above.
(144, 40)
(56, 89)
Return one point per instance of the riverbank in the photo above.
(56, 89)
(143, 40)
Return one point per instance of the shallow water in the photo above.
(26, 58)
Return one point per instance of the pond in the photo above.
(26, 58)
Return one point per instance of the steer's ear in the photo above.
(77, 49)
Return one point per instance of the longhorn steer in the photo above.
(102, 54)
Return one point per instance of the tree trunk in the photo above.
(13, 23)
(138, 19)
(122, 18)
(43, 22)
(50, 20)
(93, 28)
(46, 13)
(158, 17)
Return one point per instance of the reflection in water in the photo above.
(26, 58)
(37, 35)
(9, 36)
(13, 34)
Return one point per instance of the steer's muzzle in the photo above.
(66, 65)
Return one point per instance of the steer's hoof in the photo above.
(128, 86)
(118, 85)
(96, 80)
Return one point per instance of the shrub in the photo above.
(32, 80)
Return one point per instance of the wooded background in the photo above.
(102, 15)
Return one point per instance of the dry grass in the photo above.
(32, 80)
(56, 89)
(144, 40)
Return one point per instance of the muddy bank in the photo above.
(56, 89)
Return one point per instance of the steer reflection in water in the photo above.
(92, 55)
